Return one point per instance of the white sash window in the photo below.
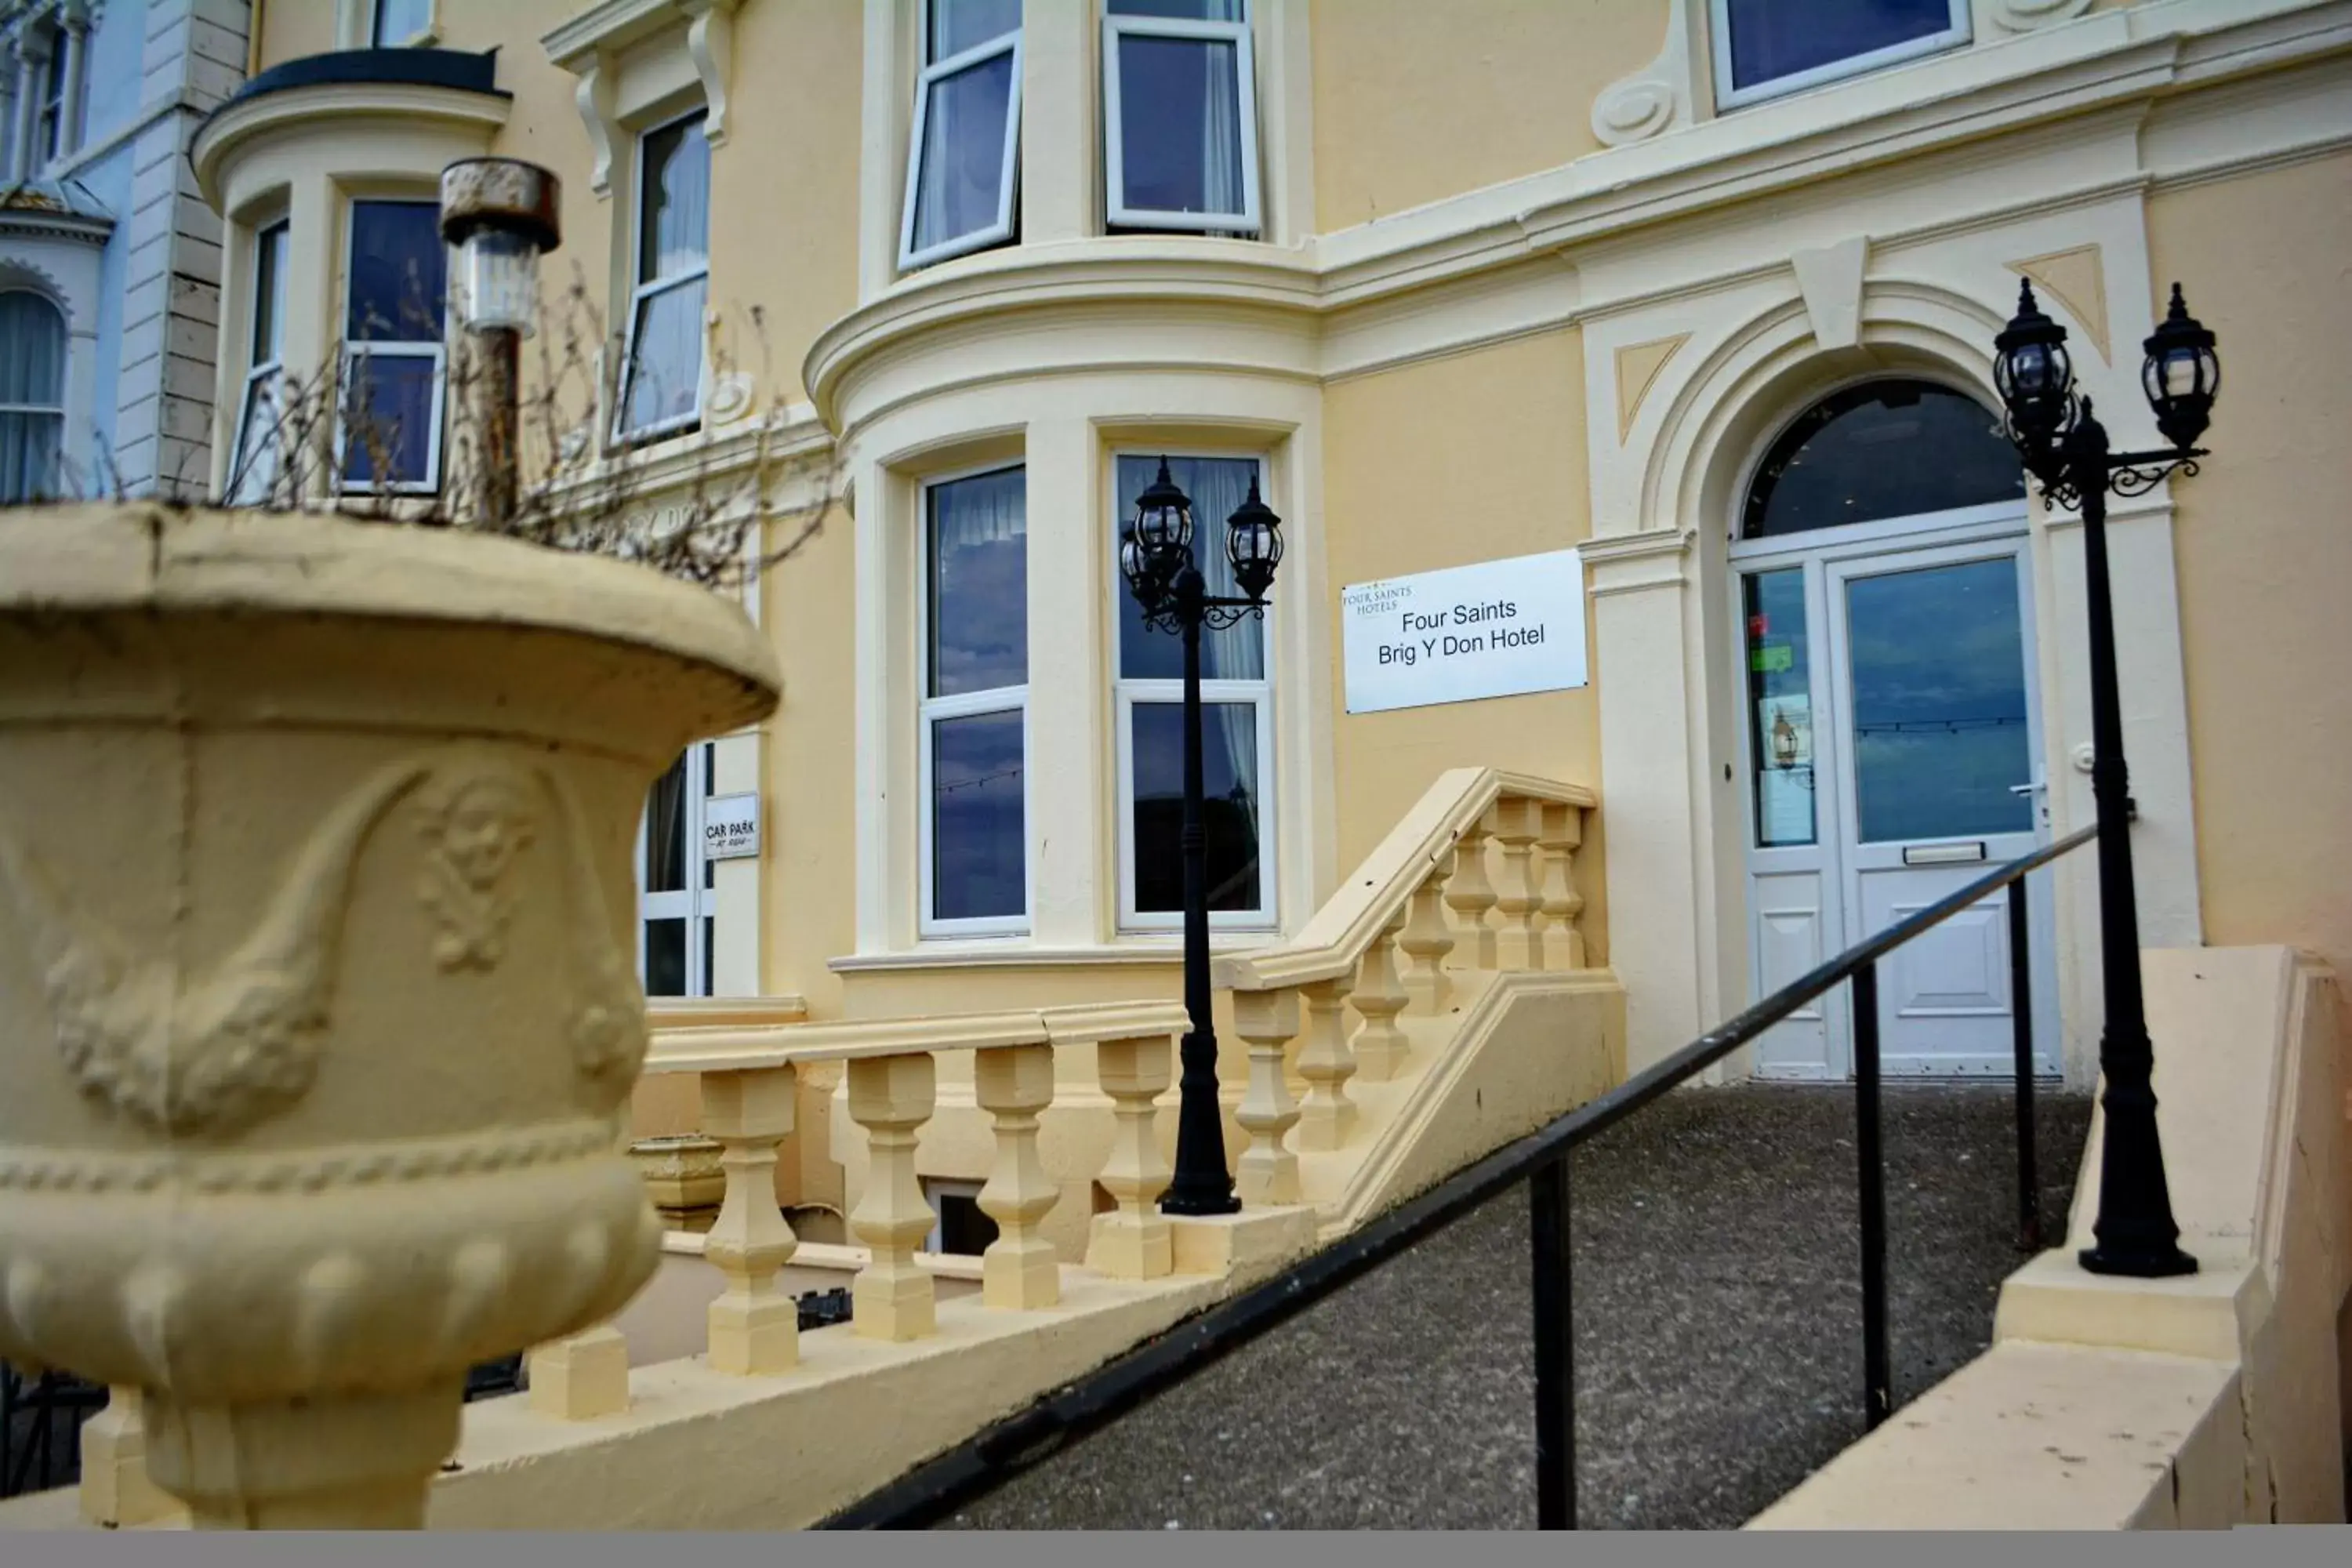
(963, 160)
(1180, 116)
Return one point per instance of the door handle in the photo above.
(2036, 787)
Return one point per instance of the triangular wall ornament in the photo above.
(1638, 365)
(2075, 279)
(1830, 280)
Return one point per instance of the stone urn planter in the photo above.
(318, 1006)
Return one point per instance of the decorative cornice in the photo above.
(399, 106)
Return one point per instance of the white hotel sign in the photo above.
(1499, 628)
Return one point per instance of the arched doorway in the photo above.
(1891, 722)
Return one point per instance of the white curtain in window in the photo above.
(32, 396)
(960, 184)
(1237, 652)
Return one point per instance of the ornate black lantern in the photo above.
(1254, 544)
(2181, 373)
(2035, 378)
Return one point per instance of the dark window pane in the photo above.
(1781, 708)
(1882, 449)
(978, 862)
(397, 21)
(388, 419)
(1940, 734)
(1179, 124)
(397, 273)
(980, 583)
(962, 184)
(666, 958)
(1184, 10)
(1229, 804)
(1774, 38)
(268, 292)
(1216, 486)
(703, 984)
(674, 219)
(964, 1229)
(959, 24)
(664, 867)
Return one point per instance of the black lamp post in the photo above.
(2065, 449)
(1156, 557)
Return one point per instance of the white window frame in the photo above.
(1729, 95)
(65, 375)
(1127, 694)
(375, 39)
(352, 363)
(1008, 183)
(1251, 220)
(934, 1189)
(695, 903)
(963, 705)
(261, 377)
(640, 292)
(51, 139)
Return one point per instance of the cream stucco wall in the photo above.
(2264, 551)
(1471, 458)
(1416, 102)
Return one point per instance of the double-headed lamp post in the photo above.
(502, 215)
(1156, 557)
(2065, 449)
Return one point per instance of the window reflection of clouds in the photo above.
(1882, 449)
(1938, 667)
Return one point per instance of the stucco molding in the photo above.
(1664, 95)
(404, 115)
(2026, 15)
(603, 45)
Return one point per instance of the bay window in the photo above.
(1766, 48)
(1180, 116)
(661, 384)
(963, 157)
(1236, 727)
(389, 427)
(253, 465)
(973, 749)
(32, 396)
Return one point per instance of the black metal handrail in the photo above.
(987, 1461)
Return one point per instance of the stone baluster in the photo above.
(754, 1328)
(1014, 1084)
(582, 1376)
(1563, 831)
(1519, 822)
(116, 1490)
(1470, 895)
(890, 1096)
(1381, 1046)
(1426, 940)
(1267, 1172)
(1327, 1063)
(1132, 1241)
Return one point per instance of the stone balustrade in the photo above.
(747, 1067)
(1428, 892)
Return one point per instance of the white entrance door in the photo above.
(1939, 730)
(1892, 740)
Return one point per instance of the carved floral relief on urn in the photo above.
(316, 1001)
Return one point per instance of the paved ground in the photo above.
(1718, 1335)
